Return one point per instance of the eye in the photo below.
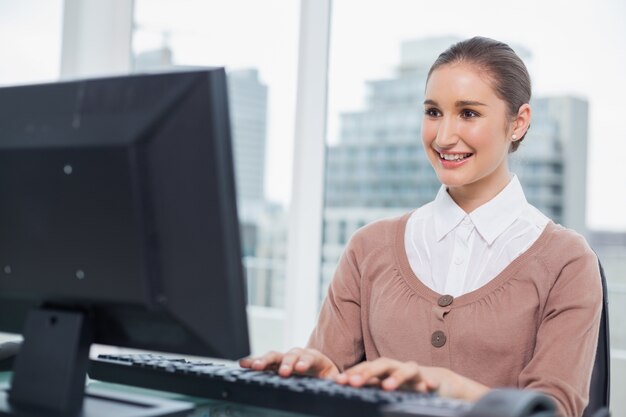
(468, 114)
(432, 112)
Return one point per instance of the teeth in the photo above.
(454, 157)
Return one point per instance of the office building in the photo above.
(549, 162)
(379, 169)
(153, 59)
(267, 268)
(263, 224)
(248, 114)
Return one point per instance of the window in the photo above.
(30, 50)
(31, 33)
(257, 44)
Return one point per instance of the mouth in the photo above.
(454, 157)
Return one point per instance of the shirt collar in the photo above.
(448, 214)
(491, 219)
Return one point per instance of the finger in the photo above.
(380, 368)
(373, 381)
(426, 386)
(431, 385)
(408, 372)
(421, 386)
(308, 363)
(430, 380)
(322, 365)
(268, 361)
(342, 378)
(288, 361)
(246, 362)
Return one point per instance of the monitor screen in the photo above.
(118, 202)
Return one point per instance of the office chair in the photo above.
(599, 390)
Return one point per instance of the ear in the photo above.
(521, 121)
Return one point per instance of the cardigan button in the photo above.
(438, 339)
(445, 300)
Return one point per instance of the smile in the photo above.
(454, 156)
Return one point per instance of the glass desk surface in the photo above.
(203, 407)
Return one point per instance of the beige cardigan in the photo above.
(535, 325)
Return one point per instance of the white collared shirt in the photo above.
(453, 252)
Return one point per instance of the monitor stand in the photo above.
(50, 371)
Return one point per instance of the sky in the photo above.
(577, 49)
(30, 42)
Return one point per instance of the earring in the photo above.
(514, 137)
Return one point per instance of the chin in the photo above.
(453, 180)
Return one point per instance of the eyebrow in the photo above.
(459, 103)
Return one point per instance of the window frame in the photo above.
(97, 40)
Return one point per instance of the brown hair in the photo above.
(509, 75)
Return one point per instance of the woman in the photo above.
(476, 289)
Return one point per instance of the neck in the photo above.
(471, 196)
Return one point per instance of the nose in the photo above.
(447, 135)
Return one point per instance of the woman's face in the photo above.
(466, 130)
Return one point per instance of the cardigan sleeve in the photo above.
(338, 331)
(567, 337)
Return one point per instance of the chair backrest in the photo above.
(599, 390)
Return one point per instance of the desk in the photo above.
(203, 407)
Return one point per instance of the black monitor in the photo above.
(118, 225)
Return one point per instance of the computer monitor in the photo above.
(118, 225)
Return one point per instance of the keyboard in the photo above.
(297, 393)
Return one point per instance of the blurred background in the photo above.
(346, 79)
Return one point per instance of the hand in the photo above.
(392, 374)
(297, 360)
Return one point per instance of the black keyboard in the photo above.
(297, 393)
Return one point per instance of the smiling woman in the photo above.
(414, 296)
(376, 166)
(476, 112)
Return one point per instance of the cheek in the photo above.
(479, 133)
(429, 132)
(483, 136)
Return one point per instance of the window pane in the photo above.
(30, 46)
(257, 43)
(569, 164)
